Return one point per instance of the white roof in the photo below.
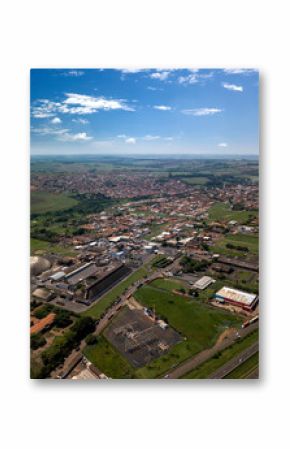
(237, 295)
(203, 282)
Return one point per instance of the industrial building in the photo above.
(203, 282)
(246, 301)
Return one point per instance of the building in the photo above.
(246, 301)
(203, 282)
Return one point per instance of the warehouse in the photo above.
(81, 273)
(203, 282)
(246, 301)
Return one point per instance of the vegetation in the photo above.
(200, 324)
(206, 369)
(105, 357)
(42, 202)
(223, 212)
(245, 369)
(190, 265)
(62, 346)
(36, 341)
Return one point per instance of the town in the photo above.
(144, 268)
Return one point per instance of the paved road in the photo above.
(235, 362)
(207, 354)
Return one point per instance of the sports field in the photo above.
(42, 202)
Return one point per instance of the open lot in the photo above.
(251, 242)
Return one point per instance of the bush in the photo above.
(36, 341)
(91, 340)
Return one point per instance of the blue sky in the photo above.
(149, 111)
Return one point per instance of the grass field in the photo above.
(200, 324)
(105, 357)
(222, 212)
(42, 202)
(167, 284)
(250, 241)
(245, 369)
(43, 247)
(206, 369)
(198, 180)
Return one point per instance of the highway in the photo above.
(235, 362)
(207, 354)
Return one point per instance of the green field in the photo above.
(222, 212)
(199, 323)
(249, 241)
(197, 180)
(206, 369)
(43, 247)
(42, 202)
(105, 357)
(167, 284)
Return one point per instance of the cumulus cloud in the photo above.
(162, 76)
(77, 104)
(56, 121)
(78, 137)
(233, 87)
(82, 121)
(131, 140)
(222, 145)
(162, 108)
(64, 135)
(194, 77)
(202, 111)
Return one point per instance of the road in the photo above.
(235, 362)
(207, 354)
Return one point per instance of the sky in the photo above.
(145, 111)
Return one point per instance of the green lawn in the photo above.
(105, 357)
(199, 323)
(167, 284)
(206, 369)
(245, 369)
(222, 212)
(42, 202)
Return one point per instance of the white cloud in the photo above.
(233, 87)
(222, 145)
(194, 77)
(131, 140)
(75, 73)
(78, 137)
(82, 121)
(63, 135)
(202, 111)
(56, 121)
(163, 108)
(240, 71)
(132, 70)
(77, 104)
(149, 138)
(162, 76)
